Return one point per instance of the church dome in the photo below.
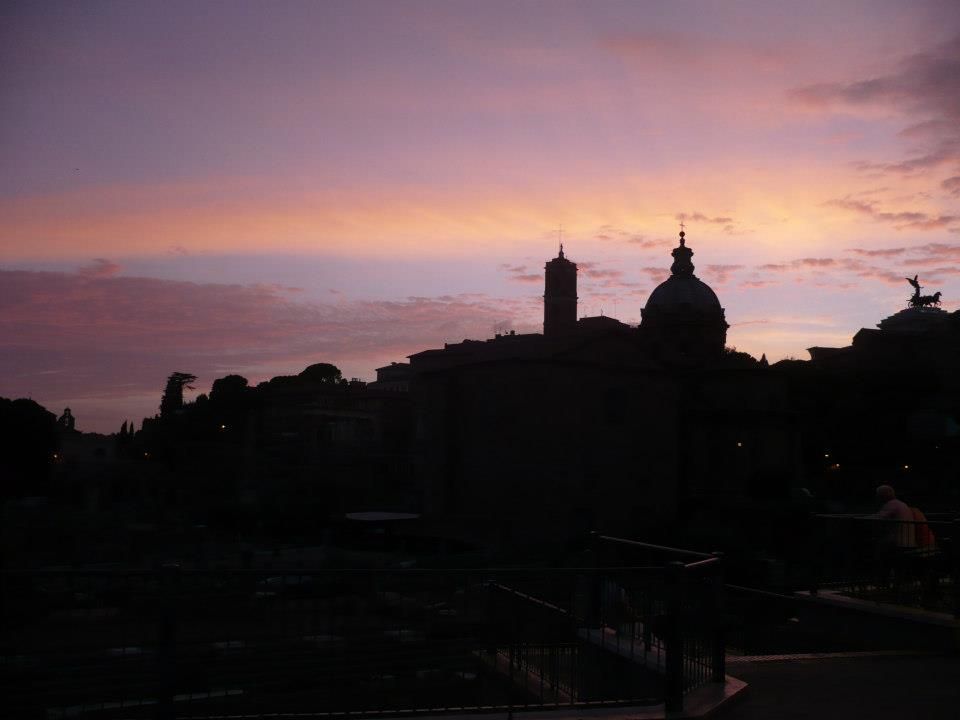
(684, 292)
(683, 321)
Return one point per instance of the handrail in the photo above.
(529, 598)
(874, 518)
(703, 563)
(295, 572)
(650, 546)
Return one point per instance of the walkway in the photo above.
(878, 687)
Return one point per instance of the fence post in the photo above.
(673, 636)
(595, 617)
(719, 629)
(814, 545)
(167, 641)
(955, 552)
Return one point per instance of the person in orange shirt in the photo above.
(900, 534)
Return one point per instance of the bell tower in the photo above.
(560, 296)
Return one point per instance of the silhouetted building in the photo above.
(927, 338)
(526, 439)
(560, 296)
(67, 422)
(394, 377)
(885, 408)
(683, 322)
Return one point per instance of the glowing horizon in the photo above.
(260, 189)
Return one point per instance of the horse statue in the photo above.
(925, 300)
(921, 301)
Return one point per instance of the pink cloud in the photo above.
(647, 243)
(840, 273)
(721, 273)
(656, 274)
(882, 252)
(926, 254)
(610, 233)
(913, 219)
(800, 264)
(520, 273)
(935, 252)
(69, 337)
(700, 217)
(669, 50)
(99, 268)
(589, 270)
(926, 84)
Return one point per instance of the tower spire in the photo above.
(682, 265)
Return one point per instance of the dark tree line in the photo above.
(28, 441)
(172, 400)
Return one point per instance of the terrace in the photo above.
(889, 565)
(637, 625)
(195, 643)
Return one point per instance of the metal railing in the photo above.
(689, 617)
(906, 563)
(196, 643)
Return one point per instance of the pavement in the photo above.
(848, 686)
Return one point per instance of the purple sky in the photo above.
(252, 187)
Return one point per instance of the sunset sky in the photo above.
(237, 187)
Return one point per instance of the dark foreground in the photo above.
(880, 687)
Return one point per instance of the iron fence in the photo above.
(197, 643)
(907, 563)
(684, 618)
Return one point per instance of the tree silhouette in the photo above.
(28, 441)
(323, 373)
(228, 388)
(173, 394)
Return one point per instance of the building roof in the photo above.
(916, 320)
(683, 292)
